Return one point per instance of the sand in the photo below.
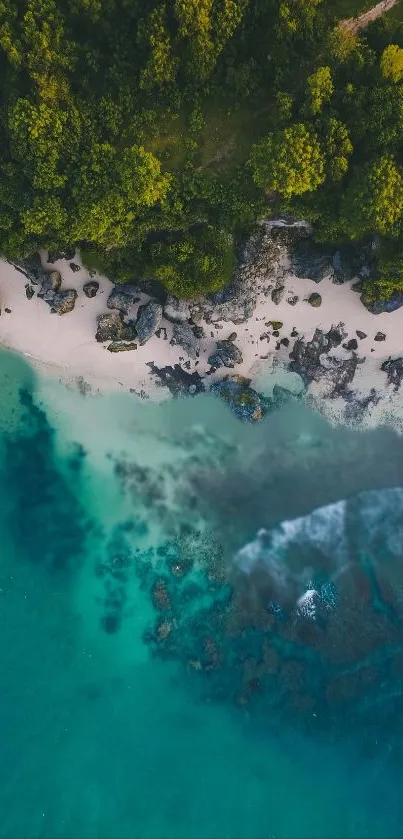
(65, 345)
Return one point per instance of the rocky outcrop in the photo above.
(148, 321)
(313, 360)
(242, 400)
(51, 283)
(310, 261)
(394, 302)
(31, 268)
(177, 311)
(123, 297)
(91, 289)
(113, 328)
(226, 354)
(183, 335)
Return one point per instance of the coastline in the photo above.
(65, 345)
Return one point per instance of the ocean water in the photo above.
(147, 691)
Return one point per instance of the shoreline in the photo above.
(65, 345)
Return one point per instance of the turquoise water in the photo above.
(106, 732)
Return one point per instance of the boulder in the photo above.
(50, 283)
(225, 355)
(91, 289)
(352, 344)
(29, 291)
(311, 261)
(148, 321)
(112, 328)
(74, 267)
(183, 335)
(278, 294)
(177, 311)
(123, 297)
(361, 335)
(380, 336)
(242, 400)
(345, 265)
(60, 302)
(121, 346)
(315, 300)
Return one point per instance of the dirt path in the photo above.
(356, 24)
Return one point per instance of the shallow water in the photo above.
(105, 733)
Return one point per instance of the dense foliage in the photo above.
(154, 133)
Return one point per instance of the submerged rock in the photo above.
(148, 321)
(112, 328)
(226, 355)
(178, 381)
(91, 289)
(123, 296)
(393, 367)
(243, 401)
(183, 335)
(177, 311)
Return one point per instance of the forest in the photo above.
(153, 134)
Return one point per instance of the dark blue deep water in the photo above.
(156, 683)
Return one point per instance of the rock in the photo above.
(345, 265)
(357, 287)
(121, 346)
(313, 361)
(315, 300)
(31, 268)
(292, 301)
(394, 369)
(74, 267)
(61, 302)
(148, 321)
(112, 328)
(395, 301)
(123, 297)
(232, 337)
(177, 311)
(311, 261)
(178, 381)
(278, 294)
(68, 253)
(380, 336)
(285, 342)
(8, 311)
(29, 291)
(276, 324)
(352, 344)
(243, 401)
(361, 335)
(91, 289)
(50, 283)
(184, 336)
(226, 355)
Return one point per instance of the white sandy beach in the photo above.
(65, 345)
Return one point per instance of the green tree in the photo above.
(338, 148)
(290, 162)
(374, 199)
(320, 89)
(392, 63)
